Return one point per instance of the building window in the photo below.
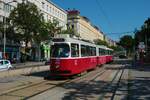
(1, 5)
(7, 8)
(47, 8)
(50, 10)
(74, 50)
(43, 4)
(53, 11)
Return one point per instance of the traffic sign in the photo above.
(141, 45)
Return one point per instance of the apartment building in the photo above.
(83, 27)
(50, 12)
(109, 41)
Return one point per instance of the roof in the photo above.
(72, 12)
(56, 6)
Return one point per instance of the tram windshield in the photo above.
(60, 50)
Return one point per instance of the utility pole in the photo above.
(4, 38)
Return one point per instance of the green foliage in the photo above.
(100, 42)
(70, 32)
(143, 35)
(9, 31)
(127, 42)
(52, 28)
(116, 48)
(27, 21)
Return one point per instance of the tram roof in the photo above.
(74, 40)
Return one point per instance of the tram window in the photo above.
(74, 50)
(104, 52)
(111, 52)
(93, 51)
(88, 51)
(83, 51)
(60, 50)
(107, 52)
(100, 52)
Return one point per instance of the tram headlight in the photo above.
(57, 66)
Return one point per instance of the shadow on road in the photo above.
(128, 89)
(46, 75)
(137, 88)
(39, 74)
(121, 61)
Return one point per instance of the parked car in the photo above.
(122, 56)
(5, 65)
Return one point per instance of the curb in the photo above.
(23, 71)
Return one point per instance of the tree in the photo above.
(26, 20)
(127, 42)
(68, 31)
(100, 42)
(9, 31)
(143, 35)
(52, 28)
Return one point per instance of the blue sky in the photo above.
(113, 17)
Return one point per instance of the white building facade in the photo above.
(83, 27)
(50, 12)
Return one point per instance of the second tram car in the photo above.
(71, 56)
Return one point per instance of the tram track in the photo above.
(115, 81)
(78, 85)
(117, 85)
(32, 90)
(93, 74)
(74, 80)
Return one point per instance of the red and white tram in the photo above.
(71, 56)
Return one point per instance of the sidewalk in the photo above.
(139, 82)
(135, 83)
(28, 64)
(25, 69)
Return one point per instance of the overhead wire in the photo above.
(104, 13)
(114, 33)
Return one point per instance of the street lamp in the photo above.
(4, 56)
